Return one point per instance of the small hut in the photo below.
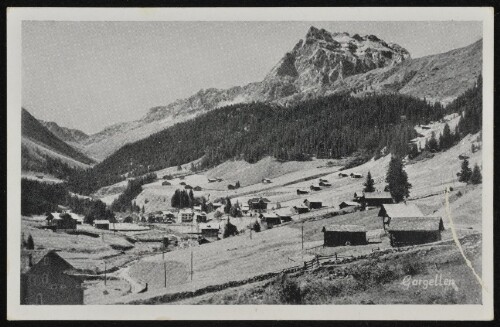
(340, 235)
(414, 230)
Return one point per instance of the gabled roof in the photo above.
(402, 210)
(351, 203)
(209, 226)
(415, 224)
(256, 200)
(101, 221)
(344, 228)
(313, 200)
(269, 215)
(36, 256)
(377, 195)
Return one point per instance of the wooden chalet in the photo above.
(48, 279)
(301, 209)
(376, 199)
(349, 204)
(210, 231)
(340, 235)
(414, 230)
(313, 203)
(101, 224)
(185, 216)
(270, 219)
(62, 221)
(258, 203)
(201, 217)
(315, 188)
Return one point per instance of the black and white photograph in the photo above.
(294, 163)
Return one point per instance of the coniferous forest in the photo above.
(329, 127)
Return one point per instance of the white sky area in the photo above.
(89, 75)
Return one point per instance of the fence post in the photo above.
(335, 256)
(317, 259)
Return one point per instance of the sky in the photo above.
(89, 75)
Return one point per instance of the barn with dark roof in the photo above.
(406, 231)
(340, 235)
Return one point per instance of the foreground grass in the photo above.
(377, 280)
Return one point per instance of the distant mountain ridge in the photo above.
(322, 63)
(64, 133)
(38, 143)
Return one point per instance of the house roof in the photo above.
(269, 215)
(314, 200)
(185, 211)
(402, 210)
(209, 226)
(415, 224)
(344, 228)
(36, 256)
(359, 194)
(256, 200)
(351, 203)
(377, 195)
(101, 221)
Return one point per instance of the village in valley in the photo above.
(323, 230)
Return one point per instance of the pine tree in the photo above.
(369, 184)
(397, 180)
(433, 145)
(30, 244)
(466, 172)
(237, 184)
(256, 227)
(227, 207)
(476, 177)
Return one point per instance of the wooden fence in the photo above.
(320, 260)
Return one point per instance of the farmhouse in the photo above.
(313, 203)
(197, 188)
(284, 214)
(398, 210)
(356, 175)
(245, 208)
(301, 209)
(358, 196)
(414, 230)
(347, 204)
(343, 175)
(210, 231)
(46, 278)
(315, 188)
(258, 203)
(270, 219)
(101, 224)
(63, 221)
(185, 216)
(376, 199)
(339, 235)
(197, 208)
(301, 191)
(201, 217)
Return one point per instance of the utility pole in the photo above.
(302, 235)
(191, 264)
(165, 273)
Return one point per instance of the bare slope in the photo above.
(38, 142)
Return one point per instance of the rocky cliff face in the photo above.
(319, 64)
